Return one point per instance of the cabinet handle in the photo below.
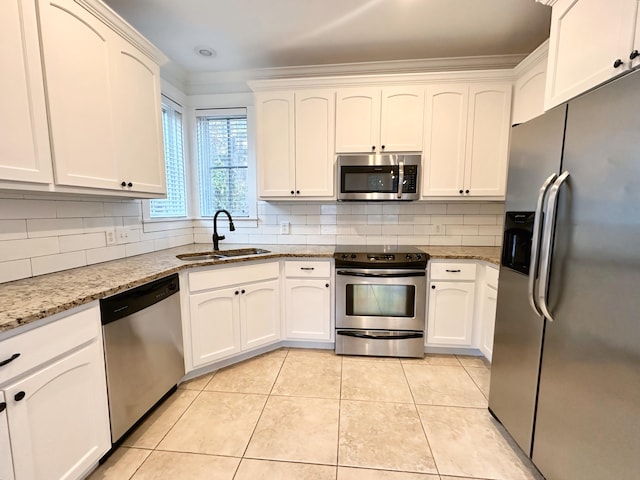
(19, 396)
(3, 406)
(292, 192)
(326, 285)
(129, 184)
(307, 268)
(297, 192)
(634, 54)
(382, 147)
(237, 292)
(433, 287)
(617, 63)
(242, 291)
(9, 360)
(461, 191)
(373, 147)
(466, 191)
(453, 270)
(123, 184)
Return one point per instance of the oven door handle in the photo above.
(381, 275)
(351, 333)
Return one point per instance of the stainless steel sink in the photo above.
(221, 254)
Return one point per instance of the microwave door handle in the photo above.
(536, 240)
(400, 177)
(547, 240)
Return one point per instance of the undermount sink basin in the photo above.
(221, 254)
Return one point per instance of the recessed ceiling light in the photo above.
(206, 52)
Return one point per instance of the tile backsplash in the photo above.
(42, 234)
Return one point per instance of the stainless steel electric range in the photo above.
(380, 300)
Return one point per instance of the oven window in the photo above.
(381, 300)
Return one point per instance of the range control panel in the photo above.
(371, 259)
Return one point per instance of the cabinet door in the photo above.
(528, 93)
(215, 325)
(260, 317)
(450, 317)
(586, 38)
(25, 154)
(276, 144)
(488, 140)
(138, 128)
(308, 304)
(402, 119)
(77, 65)
(6, 463)
(488, 314)
(58, 417)
(357, 120)
(314, 133)
(445, 139)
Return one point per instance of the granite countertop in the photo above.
(25, 301)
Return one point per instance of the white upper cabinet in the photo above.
(314, 141)
(529, 86)
(296, 143)
(379, 119)
(138, 119)
(590, 42)
(466, 140)
(25, 154)
(77, 61)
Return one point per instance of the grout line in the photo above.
(339, 414)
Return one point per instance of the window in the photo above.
(223, 164)
(175, 205)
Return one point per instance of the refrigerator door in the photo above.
(536, 150)
(588, 417)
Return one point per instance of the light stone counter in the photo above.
(25, 301)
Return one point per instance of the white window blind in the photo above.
(222, 162)
(175, 205)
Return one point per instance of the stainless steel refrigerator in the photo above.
(565, 377)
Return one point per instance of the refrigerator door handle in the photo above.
(535, 243)
(545, 255)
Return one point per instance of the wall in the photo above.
(406, 223)
(41, 234)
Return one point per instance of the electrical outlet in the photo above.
(438, 229)
(122, 235)
(284, 228)
(110, 235)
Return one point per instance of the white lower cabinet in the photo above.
(231, 310)
(56, 413)
(487, 310)
(6, 462)
(451, 295)
(308, 300)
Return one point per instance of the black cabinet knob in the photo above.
(634, 54)
(123, 184)
(466, 191)
(242, 291)
(433, 287)
(3, 407)
(237, 292)
(129, 184)
(297, 192)
(382, 147)
(617, 63)
(326, 285)
(292, 192)
(19, 396)
(461, 191)
(373, 147)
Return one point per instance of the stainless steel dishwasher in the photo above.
(143, 347)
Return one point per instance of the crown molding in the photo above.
(238, 81)
(124, 29)
(548, 3)
(538, 55)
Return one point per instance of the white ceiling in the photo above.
(255, 34)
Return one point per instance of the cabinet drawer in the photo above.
(491, 277)
(307, 269)
(453, 271)
(47, 342)
(218, 277)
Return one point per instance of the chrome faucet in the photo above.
(216, 237)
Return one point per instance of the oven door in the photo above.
(374, 299)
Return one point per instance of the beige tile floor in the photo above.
(311, 415)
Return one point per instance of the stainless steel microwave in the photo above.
(380, 176)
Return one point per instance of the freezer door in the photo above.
(588, 417)
(536, 151)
